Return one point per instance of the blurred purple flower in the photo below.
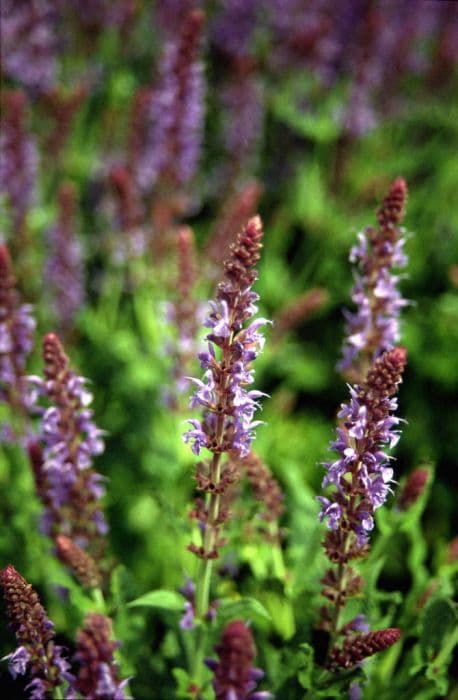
(234, 25)
(234, 676)
(18, 159)
(64, 267)
(66, 483)
(17, 327)
(242, 102)
(29, 42)
(176, 111)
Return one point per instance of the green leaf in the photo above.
(281, 613)
(242, 608)
(304, 675)
(439, 677)
(439, 621)
(167, 600)
(307, 109)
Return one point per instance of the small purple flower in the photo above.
(360, 624)
(188, 591)
(330, 510)
(355, 691)
(37, 689)
(17, 661)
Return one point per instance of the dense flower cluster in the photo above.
(37, 653)
(17, 328)
(361, 475)
(176, 110)
(234, 676)
(64, 269)
(98, 675)
(18, 158)
(374, 327)
(357, 648)
(229, 408)
(70, 440)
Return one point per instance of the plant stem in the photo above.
(279, 569)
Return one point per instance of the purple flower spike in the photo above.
(228, 424)
(98, 675)
(65, 481)
(176, 111)
(222, 391)
(37, 654)
(374, 327)
(234, 676)
(362, 475)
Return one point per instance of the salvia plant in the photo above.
(226, 468)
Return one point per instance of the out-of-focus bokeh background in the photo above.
(111, 139)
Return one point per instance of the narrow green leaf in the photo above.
(305, 671)
(167, 600)
(242, 608)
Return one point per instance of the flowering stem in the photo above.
(206, 565)
(342, 580)
(228, 425)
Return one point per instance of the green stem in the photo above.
(204, 574)
(341, 577)
(279, 569)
